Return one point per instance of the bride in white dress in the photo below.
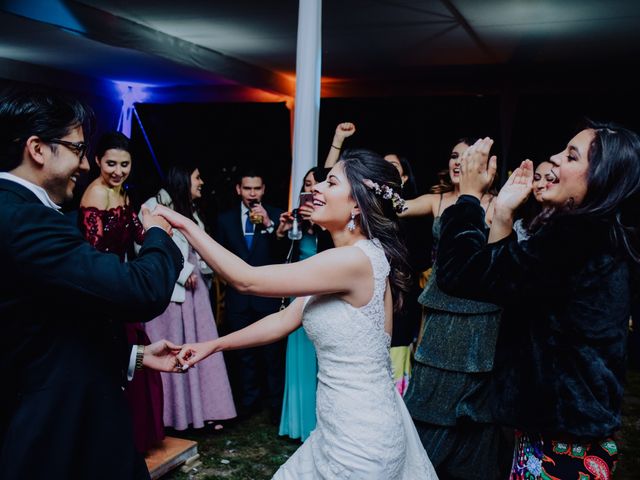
(345, 300)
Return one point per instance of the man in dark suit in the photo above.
(62, 304)
(248, 230)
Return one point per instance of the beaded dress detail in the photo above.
(364, 430)
(113, 230)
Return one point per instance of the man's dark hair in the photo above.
(48, 115)
(249, 172)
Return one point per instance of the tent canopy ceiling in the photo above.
(374, 47)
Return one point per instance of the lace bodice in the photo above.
(336, 326)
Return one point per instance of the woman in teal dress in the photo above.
(298, 417)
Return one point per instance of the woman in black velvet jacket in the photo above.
(560, 362)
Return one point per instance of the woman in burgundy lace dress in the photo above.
(110, 224)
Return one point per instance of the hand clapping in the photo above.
(516, 190)
(477, 170)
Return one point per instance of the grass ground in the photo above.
(246, 450)
(252, 450)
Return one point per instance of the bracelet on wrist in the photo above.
(337, 148)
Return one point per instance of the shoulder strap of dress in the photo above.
(377, 257)
(440, 204)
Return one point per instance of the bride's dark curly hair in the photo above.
(378, 218)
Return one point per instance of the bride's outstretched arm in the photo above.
(338, 270)
(271, 328)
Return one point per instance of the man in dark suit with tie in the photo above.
(62, 304)
(248, 230)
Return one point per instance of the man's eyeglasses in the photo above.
(79, 148)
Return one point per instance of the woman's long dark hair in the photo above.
(378, 219)
(613, 186)
(319, 175)
(178, 185)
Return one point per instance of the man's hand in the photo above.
(174, 218)
(258, 209)
(162, 356)
(150, 220)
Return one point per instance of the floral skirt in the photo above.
(401, 365)
(536, 458)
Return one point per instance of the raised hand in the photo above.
(162, 356)
(516, 190)
(343, 130)
(258, 209)
(477, 170)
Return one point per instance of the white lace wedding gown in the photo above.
(363, 430)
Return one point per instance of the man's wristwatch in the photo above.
(139, 357)
(270, 228)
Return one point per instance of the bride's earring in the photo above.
(351, 226)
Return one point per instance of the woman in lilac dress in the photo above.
(109, 223)
(203, 394)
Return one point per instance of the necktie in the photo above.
(248, 231)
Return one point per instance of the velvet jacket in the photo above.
(62, 411)
(566, 293)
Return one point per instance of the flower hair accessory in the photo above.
(387, 193)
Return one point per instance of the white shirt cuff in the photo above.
(132, 362)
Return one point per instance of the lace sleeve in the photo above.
(91, 226)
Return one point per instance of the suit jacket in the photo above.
(61, 367)
(266, 249)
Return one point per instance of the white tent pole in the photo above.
(307, 100)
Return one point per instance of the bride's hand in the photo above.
(174, 218)
(192, 353)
